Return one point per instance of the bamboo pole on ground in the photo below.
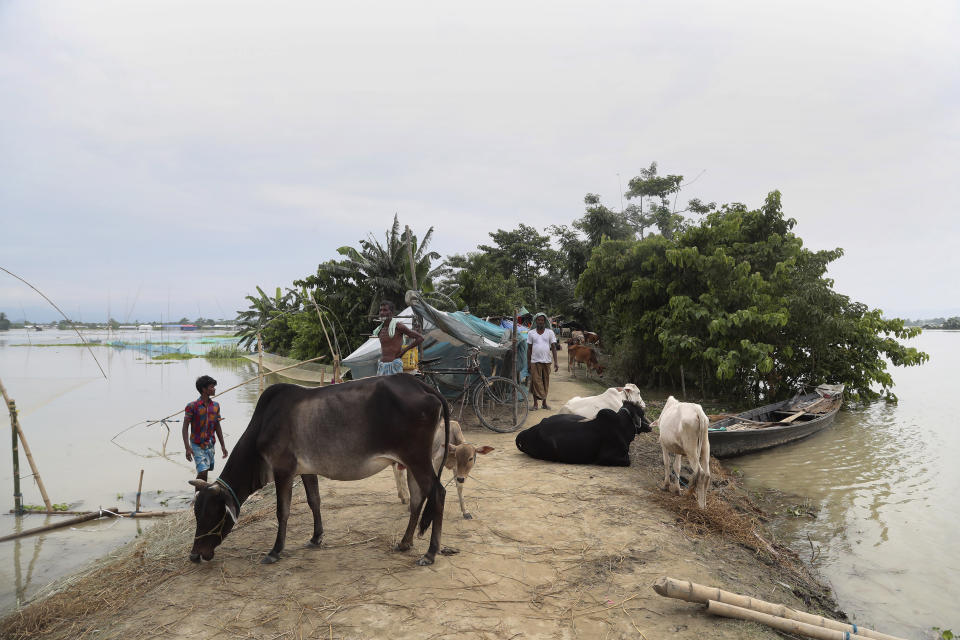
(783, 624)
(18, 432)
(693, 592)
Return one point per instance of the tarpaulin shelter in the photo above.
(447, 335)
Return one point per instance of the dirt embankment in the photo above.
(553, 551)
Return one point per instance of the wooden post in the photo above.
(515, 372)
(139, 489)
(260, 363)
(17, 431)
(683, 383)
(417, 320)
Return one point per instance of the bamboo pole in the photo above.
(514, 370)
(693, 592)
(783, 624)
(93, 515)
(139, 489)
(417, 320)
(259, 364)
(18, 432)
(109, 512)
(334, 352)
(17, 496)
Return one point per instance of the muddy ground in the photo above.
(553, 551)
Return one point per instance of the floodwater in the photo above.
(885, 479)
(69, 414)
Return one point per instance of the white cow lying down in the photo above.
(683, 432)
(613, 398)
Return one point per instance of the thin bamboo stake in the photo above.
(259, 364)
(93, 515)
(18, 430)
(139, 489)
(693, 592)
(783, 624)
(334, 352)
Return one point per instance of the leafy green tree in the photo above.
(384, 269)
(601, 222)
(268, 316)
(483, 288)
(951, 323)
(658, 210)
(736, 305)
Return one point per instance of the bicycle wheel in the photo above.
(500, 404)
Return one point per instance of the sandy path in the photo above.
(553, 551)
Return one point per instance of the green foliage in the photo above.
(224, 352)
(57, 506)
(943, 634)
(742, 308)
(175, 356)
(483, 288)
(269, 317)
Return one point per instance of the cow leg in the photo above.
(666, 471)
(428, 482)
(400, 477)
(284, 485)
(463, 509)
(417, 498)
(677, 464)
(312, 487)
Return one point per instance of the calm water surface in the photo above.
(886, 479)
(69, 413)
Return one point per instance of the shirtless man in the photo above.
(391, 333)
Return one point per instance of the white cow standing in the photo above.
(683, 432)
(613, 399)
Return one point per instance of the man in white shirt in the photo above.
(541, 349)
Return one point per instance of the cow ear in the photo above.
(485, 449)
(233, 516)
(619, 389)
(199, 484)
(451, 448)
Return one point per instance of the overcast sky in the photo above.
(173, 155)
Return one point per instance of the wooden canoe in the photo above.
(773, 424)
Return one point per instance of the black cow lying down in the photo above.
(573, 439)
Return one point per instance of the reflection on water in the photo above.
(885, 479)
(69, 414)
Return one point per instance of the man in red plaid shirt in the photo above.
(202, 418)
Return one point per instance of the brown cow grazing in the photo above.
(460, 458)
(584, 354)
(343, 432)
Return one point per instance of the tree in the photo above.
(384, 269)
(270, 318)
(601, 222)
(660, 211)
(483, 288)
(4, 322)
(736, 304)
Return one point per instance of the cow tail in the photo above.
(703, 450)
(437, 493)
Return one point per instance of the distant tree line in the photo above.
(725, 300)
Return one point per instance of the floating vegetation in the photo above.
(175, 356)
(224, 352)
(60, 506)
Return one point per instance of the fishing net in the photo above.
(304, 372)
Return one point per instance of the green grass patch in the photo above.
(60, 506)
(224, 352)
(175, 356)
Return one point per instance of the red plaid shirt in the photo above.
(204, 420)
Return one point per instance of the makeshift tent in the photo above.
(447, 335)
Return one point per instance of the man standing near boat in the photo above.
(201, 428)
(541, 345)
(391, 332)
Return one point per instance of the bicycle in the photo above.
(500, 403)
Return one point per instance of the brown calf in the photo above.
(460, 458)
(584, 354)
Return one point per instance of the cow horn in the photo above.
(199, 484)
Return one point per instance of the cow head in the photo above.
(599, 369)
(216, 513)
(631, 393)
(462, 457)
(640, 422)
